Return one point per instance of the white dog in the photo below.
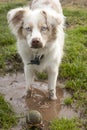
(40, 39)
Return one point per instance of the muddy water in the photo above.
(13, 88)
(49, 109)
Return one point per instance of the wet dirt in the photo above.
(13, 89)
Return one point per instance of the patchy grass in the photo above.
(7, 116)
(74, 67)
(9, 59)
(76, 17)
(73, 70)
(63, 124)
(68, 101)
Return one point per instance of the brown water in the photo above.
(13, 88)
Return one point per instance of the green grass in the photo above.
(8, 52)
(73, 70)
(75, 16)
(64, 124)
(68, 101)
(7, 116)
(74, 67)
(8, 58)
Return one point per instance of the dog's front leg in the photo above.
(52, 79)
(29, 78)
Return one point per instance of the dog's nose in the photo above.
(36, 43)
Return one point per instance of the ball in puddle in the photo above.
(34, 117)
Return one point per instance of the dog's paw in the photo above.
(29, 93)
(52, 95)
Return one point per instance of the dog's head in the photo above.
(38, 27)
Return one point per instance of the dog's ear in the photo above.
(15, 19)
(60, 19)
(53, 19)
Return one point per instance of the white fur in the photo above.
(53, 52)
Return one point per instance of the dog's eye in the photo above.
(29, 29)
(44, 28)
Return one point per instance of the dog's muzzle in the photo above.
(36, 43)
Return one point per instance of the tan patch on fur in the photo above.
(53, 33)
(46, 3)
(18, 17)
(45, 16)
(21, 34)
(51, 23)
(42, 22)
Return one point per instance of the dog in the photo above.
(39, 30)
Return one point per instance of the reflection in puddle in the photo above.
(13, 88)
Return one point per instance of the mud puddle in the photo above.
(13, 88)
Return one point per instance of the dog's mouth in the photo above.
(36, 46)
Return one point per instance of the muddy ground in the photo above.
(74, 2)
(13, 88)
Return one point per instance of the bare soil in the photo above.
(82, 3)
